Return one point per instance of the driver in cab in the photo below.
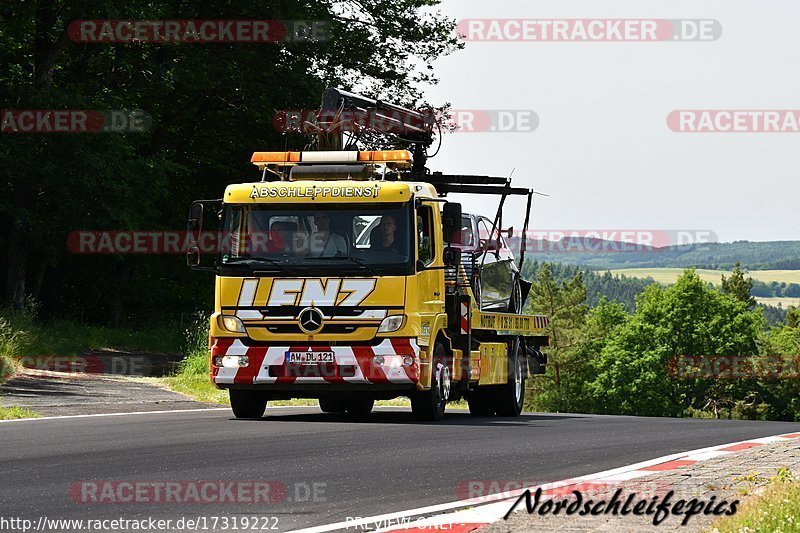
(323, 242)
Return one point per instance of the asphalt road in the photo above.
(385, 464)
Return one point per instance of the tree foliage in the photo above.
(738, 286)
(686, 319)
(211, 105)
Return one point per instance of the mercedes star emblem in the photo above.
(310, 320)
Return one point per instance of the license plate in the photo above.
(309, 358)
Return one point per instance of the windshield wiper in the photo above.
(357, 260)
(256, 260)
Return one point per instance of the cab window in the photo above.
(425, 239)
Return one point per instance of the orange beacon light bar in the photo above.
(398, 157)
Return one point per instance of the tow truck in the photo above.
(343, 277)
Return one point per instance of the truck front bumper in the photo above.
(392, 361)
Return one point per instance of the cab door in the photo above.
(428, 265)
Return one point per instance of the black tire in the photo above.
(248, 403)
(429, 405)
(358, 407)
(515, 300)
(509, 398)
(480, 403)
(332, 405)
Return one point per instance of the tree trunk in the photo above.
(17, 250)
(17, 268)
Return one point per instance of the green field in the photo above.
(778, 302)
(670, 275)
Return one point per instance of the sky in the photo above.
(602, 150)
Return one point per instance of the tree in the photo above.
(738, 286)
(686, 319)
(563, 303)
(793, 317)
(211, 106)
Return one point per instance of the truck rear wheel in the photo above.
(247, 403)
(332, 405)
(353, 406)
(510, 397)
(480, 403)
(429, 405)
(359, 406)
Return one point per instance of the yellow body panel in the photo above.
(335, 191)
(493, 363)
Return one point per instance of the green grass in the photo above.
(22, 335)
(13, 413)
(776, 509)
(196, 386)
(6, 367)
(669, 276)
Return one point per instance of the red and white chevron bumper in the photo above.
(398, 363)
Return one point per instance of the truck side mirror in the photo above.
(488, 245)
(452, 257)
(193, 257)
(194, 236)
(195, 219)
(193, 230)
(451, 222)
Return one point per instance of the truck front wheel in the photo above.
(247, 403)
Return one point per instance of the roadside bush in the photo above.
(196, 346)
(191, 377)
(15, 339)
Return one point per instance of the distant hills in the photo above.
(597, 254)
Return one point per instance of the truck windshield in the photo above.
(351, 237)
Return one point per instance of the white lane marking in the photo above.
(98, 415)
(495, 506)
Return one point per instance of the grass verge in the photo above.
(776, 509)
(22, 335)
(13, 413)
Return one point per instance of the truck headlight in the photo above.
(231, 361)
(233, 323)
(391, 323)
